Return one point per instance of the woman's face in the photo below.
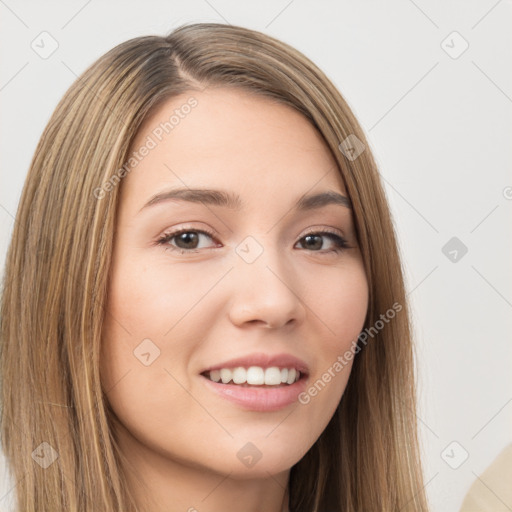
(250, 284)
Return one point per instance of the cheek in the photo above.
(137, 317)
(341, 312)
(144, 345)
(155, 314)
(341, 308)
(151, 298)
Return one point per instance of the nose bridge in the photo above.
(265, 286)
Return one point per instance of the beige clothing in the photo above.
(492, 491)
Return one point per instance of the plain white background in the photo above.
(438, 120)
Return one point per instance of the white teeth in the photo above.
(272, 376)
(225, 375)
(239, 375)
(291, 376)
(255, 375)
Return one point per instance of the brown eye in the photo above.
(314, 241)
(185, 240)
(188, 240)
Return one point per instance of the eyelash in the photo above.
(167, 237)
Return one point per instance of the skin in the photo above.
(205, 307)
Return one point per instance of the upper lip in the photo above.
(263, 360)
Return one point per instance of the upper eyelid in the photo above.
(213, 234)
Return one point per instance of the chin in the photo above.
(259, 458)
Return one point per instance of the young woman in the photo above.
(203, 305)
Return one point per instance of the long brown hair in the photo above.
(58, 263)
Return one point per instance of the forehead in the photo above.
(230, 139)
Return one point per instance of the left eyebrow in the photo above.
(232, 201)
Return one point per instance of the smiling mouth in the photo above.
(254, 376)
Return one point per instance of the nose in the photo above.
(266, 292)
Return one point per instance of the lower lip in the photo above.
(258, 398)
